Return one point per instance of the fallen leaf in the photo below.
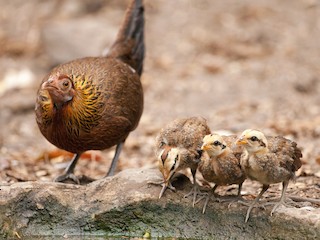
(57, 153)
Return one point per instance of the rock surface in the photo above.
(127, 205)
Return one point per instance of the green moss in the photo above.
(136, 220)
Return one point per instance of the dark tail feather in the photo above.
(129, 45)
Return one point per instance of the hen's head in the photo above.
(60, 88)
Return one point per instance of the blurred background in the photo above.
(240, 64)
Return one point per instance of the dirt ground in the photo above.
(240, 64)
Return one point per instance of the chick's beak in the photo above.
(164, 188)
(167, 184)
(204, 146)
(241, 141)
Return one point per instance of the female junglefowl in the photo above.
(94, 103)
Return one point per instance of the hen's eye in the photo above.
(216, 143)
(161, 144)
(66, 83)
(254, 138)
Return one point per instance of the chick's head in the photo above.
(168, 162)
(213, 144)
(253, 140)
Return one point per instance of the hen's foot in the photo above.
(73, 179)
(67, 177)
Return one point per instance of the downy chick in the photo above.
(269, 160)
(220, 164)
(178, 147)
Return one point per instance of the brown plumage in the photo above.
(95, 102)
(178, 147)
(269, 160)
(220, 163)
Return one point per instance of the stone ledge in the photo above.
(126, 205)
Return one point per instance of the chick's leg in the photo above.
(165, 183)
(68, 173)
(208, 197)
(239, 190)
(164, 188)
(264, 188)
(238, 198)
(195, 189)
(282, 198)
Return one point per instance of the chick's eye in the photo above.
(172, 168)
(216, 143)
(254, 138)
(175, 162)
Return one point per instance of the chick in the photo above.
(269, 160)
(220, 164)
(178, 147)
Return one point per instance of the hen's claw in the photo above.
(66, 176)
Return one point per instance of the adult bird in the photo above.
(268, 160)
(93, 103)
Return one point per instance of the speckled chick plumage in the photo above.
(219, 164)
(269, 159)
(185, 136)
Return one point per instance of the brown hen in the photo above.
(94, 103)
